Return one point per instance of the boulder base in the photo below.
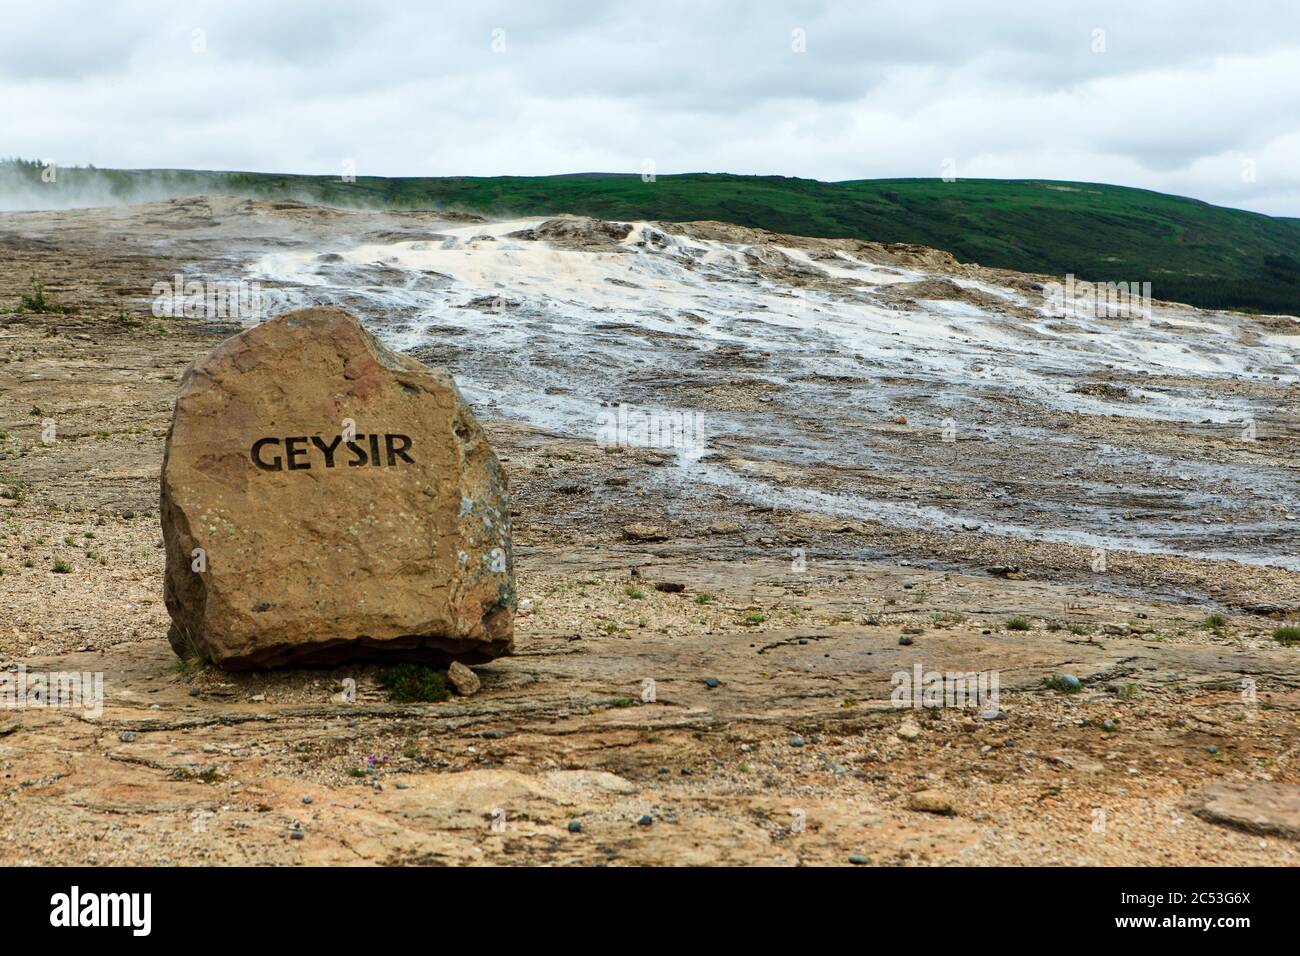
(324, 498)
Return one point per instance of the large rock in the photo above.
(313, 548)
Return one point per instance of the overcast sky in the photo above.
(1194, 98)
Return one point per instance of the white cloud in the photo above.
(1182, 95)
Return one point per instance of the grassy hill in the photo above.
(1189, 251)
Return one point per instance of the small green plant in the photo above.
(1215, 622)
(358, 772)
(35, 299)
(635, 594)
(1080, 629)
(704, 597)
(621, 702)
(408, 683)
(61, 567)
(754, 617)
(1018, 624)
(1287, 635)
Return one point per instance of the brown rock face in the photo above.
(1254, 806)
(324, 498)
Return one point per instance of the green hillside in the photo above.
(1188, 250)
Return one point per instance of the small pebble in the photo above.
(1211, 749)
(575, 826)
(126, 736)
(857, 859)
(905, 641)
(711, 682)
(796, 741)
(1109, 725)
(645, 820)
(307, 800)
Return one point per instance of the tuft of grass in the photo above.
(409, 683)
(187, 665)
(1018, 624)
(634, 593)
(1080, 629)
(704, 597)
(61, 567)
(1215, 622)
(1287, 635)
(754, 617)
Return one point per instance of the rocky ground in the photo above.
(698, 678)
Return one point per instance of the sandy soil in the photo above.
(794, 755)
